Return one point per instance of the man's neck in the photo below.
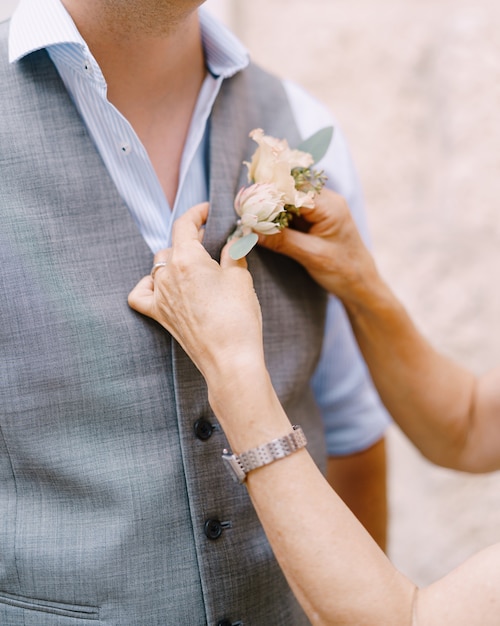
(152, 59)
(142, 58)
(126, 17)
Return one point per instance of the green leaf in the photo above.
(241, 247)
(317, 144)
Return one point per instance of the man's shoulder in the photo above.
(259, 72)
(30, 71)
(259, 79)
(308, 111)
(258, 98)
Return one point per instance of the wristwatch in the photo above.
(239, 465)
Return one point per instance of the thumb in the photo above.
(191, 224)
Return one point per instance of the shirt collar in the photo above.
(38, 24)
(225, 54)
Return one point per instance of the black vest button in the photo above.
(203, 429)
(224, 622)
(213, 529)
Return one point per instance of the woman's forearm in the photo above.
(430, 397)
(337, 571)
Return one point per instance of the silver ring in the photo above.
(156, 266)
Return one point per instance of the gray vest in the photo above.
(114, 506)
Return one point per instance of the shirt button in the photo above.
(203, 429)
(125, 148)
(87, 66)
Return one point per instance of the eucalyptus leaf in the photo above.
(317, 144)
(241, 247)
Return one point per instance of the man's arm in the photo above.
(355, 422)
(352, 413)
(360, 480)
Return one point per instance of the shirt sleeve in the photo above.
(353, 415)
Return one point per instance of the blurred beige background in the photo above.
(415, 85)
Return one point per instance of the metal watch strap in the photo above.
(240, 465)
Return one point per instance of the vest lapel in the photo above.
(243, 103)
(229, 147)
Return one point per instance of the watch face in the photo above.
(233, 467)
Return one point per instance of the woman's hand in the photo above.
(210, 308)
(331, 250)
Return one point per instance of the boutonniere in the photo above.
(282, 184)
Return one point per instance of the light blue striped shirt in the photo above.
(353, 415)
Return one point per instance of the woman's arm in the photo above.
(338, 573)
(336, 570)
(449, 414)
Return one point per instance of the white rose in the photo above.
(297, 158)
(273, 157)
(258, 206)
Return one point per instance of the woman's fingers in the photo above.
(293, 243)
(328, 208)
(331, 249)
(190, 225)
(226, 261)
(141, 298)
